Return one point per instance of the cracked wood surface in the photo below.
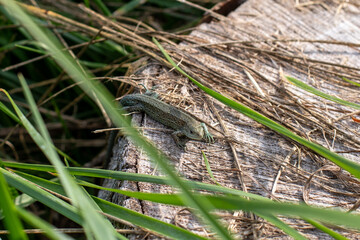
(271, 165)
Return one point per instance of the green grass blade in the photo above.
(11, 45)
(11, 218)
(130, 6)
(117, 175)
(175, 199)
(281, 225)
(208, 168)
(103, 7)
(42, 196)
(8, 112)
(350, 81)
(30, 49)
(172, 199)
(53, 187)
(92, 64)
(146, 221)
(330, 232)
(312, 90)
(45, 197)
(37, 222)
(121, 212)
(288, 209)
(348, 165)
(264, 207)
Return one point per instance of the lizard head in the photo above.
(194, 132)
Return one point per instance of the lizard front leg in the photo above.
(150, 92)
(207, 135)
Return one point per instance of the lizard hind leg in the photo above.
(179, 139)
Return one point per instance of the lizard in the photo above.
(183, 124)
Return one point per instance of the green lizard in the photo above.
(185, 126)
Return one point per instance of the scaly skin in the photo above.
(183, 124)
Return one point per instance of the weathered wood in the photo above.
(262, 153)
